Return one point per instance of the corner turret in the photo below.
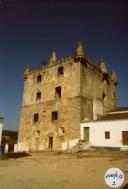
(79, 50)
(26, 72)
(53, 58)
(102, 66)
(79, 55)
(114, 77)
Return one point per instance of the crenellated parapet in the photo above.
(78, 57)
(26, 72)
(64, 59)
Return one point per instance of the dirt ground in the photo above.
(51, 170)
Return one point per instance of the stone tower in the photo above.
(61, 94)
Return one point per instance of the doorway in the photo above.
(50, 144)
(86, 133)
(125, 137)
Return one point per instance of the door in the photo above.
(50, 145)
(86, 133)
(125, 137)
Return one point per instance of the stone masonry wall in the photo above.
(93, 85)
(68, 95)
(68, 107)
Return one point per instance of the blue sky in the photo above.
(31, 30)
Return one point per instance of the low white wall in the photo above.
(69, 144)
(15, 147)
(97, 132)
(22, 147)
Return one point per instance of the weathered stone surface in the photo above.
(68, 90)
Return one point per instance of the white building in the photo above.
(1, 127)
(110, 131)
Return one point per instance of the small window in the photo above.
(58, 92)
(61, 131)
(38, 95)
(54, 116)
(39, 78)
(36, 118)
(107, 134)
(60, 71)
(37, 134)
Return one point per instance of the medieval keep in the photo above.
(59, 96)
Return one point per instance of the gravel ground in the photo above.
(51, 170)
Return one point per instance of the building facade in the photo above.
(110, 131)
(61, 94)
(9, 140)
